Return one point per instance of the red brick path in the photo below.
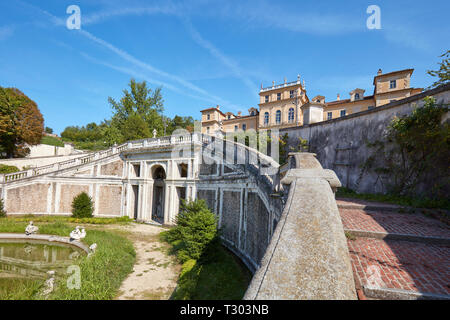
(393, 222)
(394, 264)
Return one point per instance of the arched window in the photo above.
(291, 115)
(356, 96)
(266, 118)
(278, 117)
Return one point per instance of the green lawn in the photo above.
(52, 141)
(101, 274)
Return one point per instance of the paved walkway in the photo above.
(388, 269)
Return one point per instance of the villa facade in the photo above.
(287, 105)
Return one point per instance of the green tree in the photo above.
(82, 206)
(443, 74)
(21, 122)
(139, 101)
(196, 230)
(48, 130)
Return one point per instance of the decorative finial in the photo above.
(298, 77)
(285, 81)
(273, 83)
(304, 85)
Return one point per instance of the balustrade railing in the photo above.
(94, 156)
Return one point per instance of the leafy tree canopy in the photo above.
(443, 74)
(21, 122)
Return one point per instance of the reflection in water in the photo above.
(33, 259)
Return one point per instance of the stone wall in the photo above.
(341, 144)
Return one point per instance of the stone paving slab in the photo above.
(403, 265)
(393, 223)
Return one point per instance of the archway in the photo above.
(158, 175)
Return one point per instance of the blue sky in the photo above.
(205, 53)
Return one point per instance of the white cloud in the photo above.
(227, 61)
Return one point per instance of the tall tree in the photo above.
(443, 73)
(21, 122)
(142, 102)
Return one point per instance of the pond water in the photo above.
(32, 259)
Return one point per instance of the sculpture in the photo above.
(49, 283)
(31, 229)
(77, 234)
(92, 249)
(154, 133)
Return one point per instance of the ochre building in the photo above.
(287, 105)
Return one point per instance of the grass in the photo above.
(217, 276)
(93, 220)
(101, 274)
(415, 202)
(52, 141)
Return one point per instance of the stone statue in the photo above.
(78, 234)
(92, 249)
(49, 283)
(31, 229)
(154, 133)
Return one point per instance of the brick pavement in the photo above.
(397, 264)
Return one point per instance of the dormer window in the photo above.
(356, 96)
(229, 116)
(393, 84)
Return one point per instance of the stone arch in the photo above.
(158, 174)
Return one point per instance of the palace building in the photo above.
(287, 105)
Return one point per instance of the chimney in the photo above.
(239, 113)
(217, 107)
(379, 71)
(273, 84)
(285, 80)
(338, 97)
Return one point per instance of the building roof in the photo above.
(392, 73)
(213, 109)
(347, 101)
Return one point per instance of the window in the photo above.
(207, 129)
(291, 115)
(356, 96)
(244, 126)
(236, 128)
(266, 118)
(329, 115)
(278, 117)
(291, 94)
(267, 98)
(279, 96)
(229, 116)
(209, 116)
(393, 84)
(343, 113)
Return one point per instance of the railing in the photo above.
(280, 86)
(261, 161)
(94, 156)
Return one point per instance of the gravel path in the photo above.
(155, 272)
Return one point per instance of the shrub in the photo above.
(82, 206)
(2, 209)
(195, 232)
(4, 169)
